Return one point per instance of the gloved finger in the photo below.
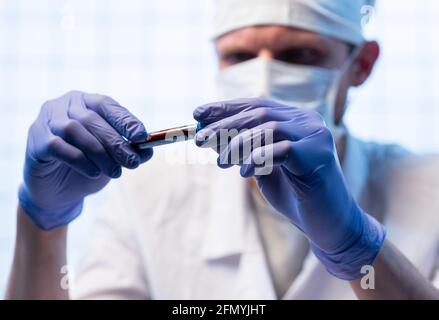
(76, 135)
(242, 121)
(60, 150)
(311, 154)
(242, 145)
(266, 156)
(123, 121)
(215, 111)
(119, 149)
(223, 164)
(301, 158)
(145, 154)
(268, 132)
(293, 122)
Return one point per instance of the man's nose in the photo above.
(265, 54)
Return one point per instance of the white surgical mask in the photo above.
(295, 85)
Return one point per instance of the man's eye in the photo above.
(305, 56)
(237, 57)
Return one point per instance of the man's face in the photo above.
(290, 45)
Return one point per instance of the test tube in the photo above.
(167, 136)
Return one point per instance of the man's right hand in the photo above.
(74, 148)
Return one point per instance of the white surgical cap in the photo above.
(342, 19)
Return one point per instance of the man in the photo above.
(302, 230)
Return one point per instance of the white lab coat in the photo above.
(172, 231)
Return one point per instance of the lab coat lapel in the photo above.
(226, 219)
(231, 231)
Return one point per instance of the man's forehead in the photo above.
(272, 36)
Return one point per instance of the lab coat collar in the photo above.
(355, 166)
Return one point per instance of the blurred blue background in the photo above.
(155, 57)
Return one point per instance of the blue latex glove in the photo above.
(74, 147)
(306, 183)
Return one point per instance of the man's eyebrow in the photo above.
(233, 48)
(315, 42)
